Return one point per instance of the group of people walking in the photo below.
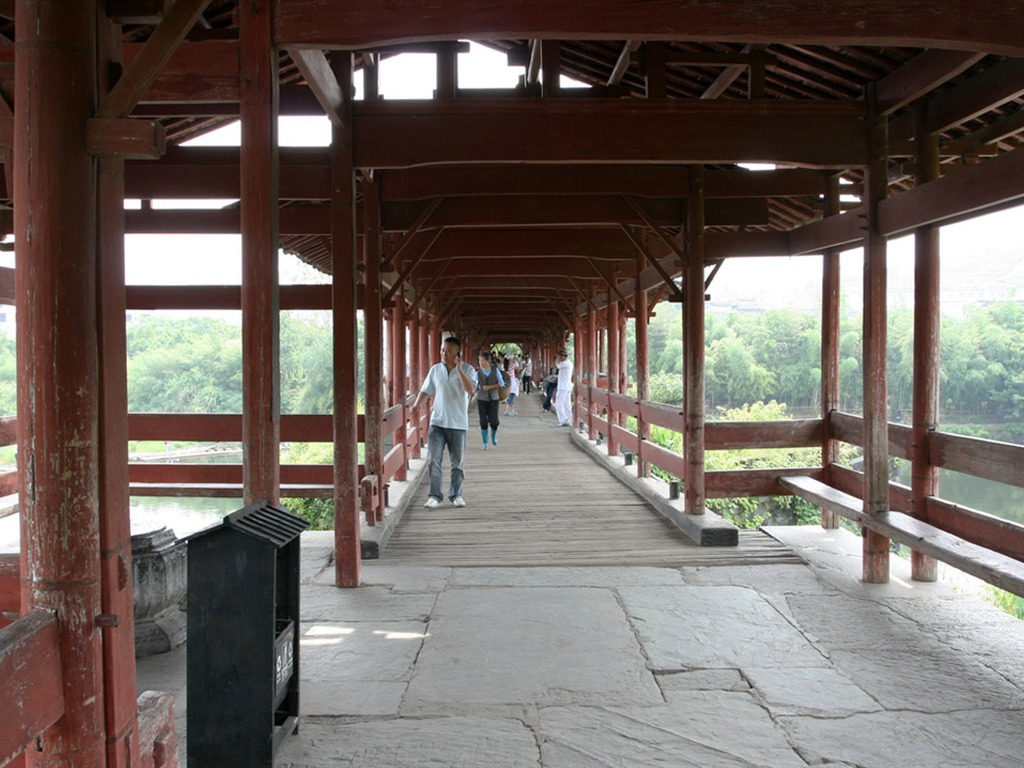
(451, 384)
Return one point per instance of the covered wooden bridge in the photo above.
(532, 215)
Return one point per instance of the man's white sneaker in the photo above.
(432, 502)
(458, 501)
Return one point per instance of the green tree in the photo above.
(191, 365)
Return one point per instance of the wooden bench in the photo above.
(995, 568)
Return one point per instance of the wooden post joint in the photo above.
(125, 138)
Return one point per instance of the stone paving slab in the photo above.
(500, 646)
(981, 739)
(697, 627)
(445, 742)
(707, 729)
(566, 577)
(940, 681)
(347, 651)
(766, 579)
(814, 692)
(702, 680)
(371, 604)
(354, 698)
(397, 578)
(840, 621)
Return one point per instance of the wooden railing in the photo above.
(173, 478)
(598, 407)
(605, 411)
(156, 478)
(30, 666)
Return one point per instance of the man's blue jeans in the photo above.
(437, 439)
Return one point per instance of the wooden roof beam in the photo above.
(985, 25)
(600, 243)
(623, 62)
(566, 210)
(919, 76)
(555, 266)
(212, 172)
(800, 133)
(997, 85)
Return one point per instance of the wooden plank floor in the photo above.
(537, 500)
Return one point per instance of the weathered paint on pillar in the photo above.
(578, 371)
(876, 428)
(643, 366)
(398, 383)
(373, 347)
(347, 552)
(55, 184)
(693, 347)
(927, 356)
(120, 686)
(613, 368)
(830, 308)
(425, 362)
(593, 362)
(261, 421)
(418, 341)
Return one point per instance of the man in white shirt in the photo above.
(563, 391)
(451, 383)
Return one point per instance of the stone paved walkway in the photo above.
(724, 667)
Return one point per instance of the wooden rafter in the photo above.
(653, 226)
(127, 92)
(413, 262)
(316, 71)
(414, 229)
(646, 254)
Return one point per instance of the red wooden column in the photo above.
(426, 360)
(579, 367)
(830, 306)
(875, 561)
(120, 687)
(398, 385)
(693, 346)
(55, 183)
(261, 420)
(347, 552)
(925, 476)
(643, 368)
(418, 340)
(623, 357)
(613, 368)
(593, 362)
(373, 347)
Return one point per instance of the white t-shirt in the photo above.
(564, 374)
(451, 401)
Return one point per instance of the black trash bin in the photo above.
(243, 638)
